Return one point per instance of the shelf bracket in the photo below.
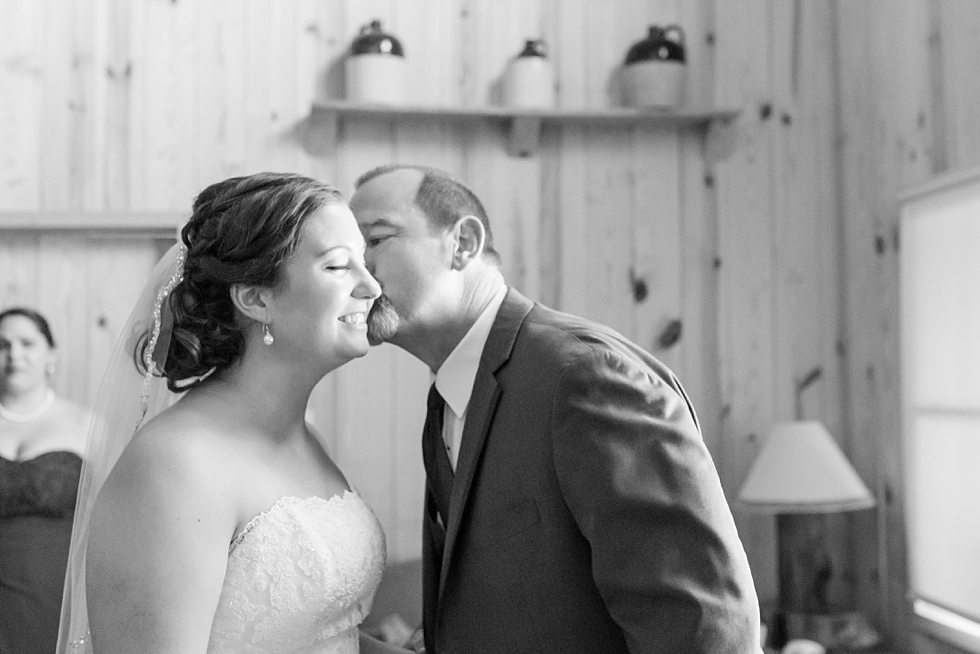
(320, 138)
(525, 134)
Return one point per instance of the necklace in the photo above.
(33, 414)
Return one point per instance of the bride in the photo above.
(221, 524)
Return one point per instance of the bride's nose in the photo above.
(367, 287)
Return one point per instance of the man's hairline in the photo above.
(412, 202)
(430, 221)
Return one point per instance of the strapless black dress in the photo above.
(37, 501)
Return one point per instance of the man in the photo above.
(571, 505)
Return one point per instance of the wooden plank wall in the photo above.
(772, 242)
(135, 105)
(778, 315)
(909, 109)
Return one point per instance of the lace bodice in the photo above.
(300, 578)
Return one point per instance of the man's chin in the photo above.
(382, 322)
(376, 338)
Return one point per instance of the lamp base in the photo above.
(805, 565)
(808, 606)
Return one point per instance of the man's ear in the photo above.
(471, 237)
(251, 301)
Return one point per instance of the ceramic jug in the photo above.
(654, 73)
(529, 79)
(374, 70)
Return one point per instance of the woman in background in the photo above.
(41, 439)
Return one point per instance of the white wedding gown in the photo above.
(301, 576)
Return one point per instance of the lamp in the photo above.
(801, 475)
(801, 469)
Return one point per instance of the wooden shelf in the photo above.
(523, 126)
(94, 223)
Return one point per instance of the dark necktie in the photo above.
(439, 490)
(438, 469)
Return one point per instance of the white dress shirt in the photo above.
(454, 380)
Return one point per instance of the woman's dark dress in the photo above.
(37, 500)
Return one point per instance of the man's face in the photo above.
(407, 257)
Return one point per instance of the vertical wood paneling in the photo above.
(745, 243)
(84, 107)
(697, 359)
(956, 85)
(18, 263)
(570, 160)
(433, 64)
(405, 468)
(270, 32)
(907, 89)
(656, 206)
(319, 76)
(21, 90)
(884, 117)
(806, 312)
(608, 255)
(494, 31)
(655, 264)
(221, 77)
(162, 154)
(62, 297)
(697, 20)
(55, 123)
(610, 180)
(118, 119)
(114, 275)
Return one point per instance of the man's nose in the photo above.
(369, 262)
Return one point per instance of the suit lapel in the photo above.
(479, 412)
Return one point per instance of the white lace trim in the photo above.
(301, 576)
(281, 502)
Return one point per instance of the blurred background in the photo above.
(747, 243)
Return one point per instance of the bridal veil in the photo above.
(127, 397)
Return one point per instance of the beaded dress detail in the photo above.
(301, 576)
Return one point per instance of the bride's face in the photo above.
(319, 311)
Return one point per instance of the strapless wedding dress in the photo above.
(301, 576)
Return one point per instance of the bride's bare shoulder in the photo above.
(176, 449)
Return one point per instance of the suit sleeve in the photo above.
(643, 490)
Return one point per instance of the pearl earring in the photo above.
(266, 336)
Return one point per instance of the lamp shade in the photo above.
(801, 469)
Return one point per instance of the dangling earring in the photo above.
(266, 336)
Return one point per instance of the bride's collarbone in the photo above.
(265, 480)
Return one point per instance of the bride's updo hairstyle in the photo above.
(241, 231)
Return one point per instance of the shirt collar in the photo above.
(457, 373)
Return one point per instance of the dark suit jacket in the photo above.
(586, 514)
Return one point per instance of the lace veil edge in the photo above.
(126, 398)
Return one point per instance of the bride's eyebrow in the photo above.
(329, 250)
